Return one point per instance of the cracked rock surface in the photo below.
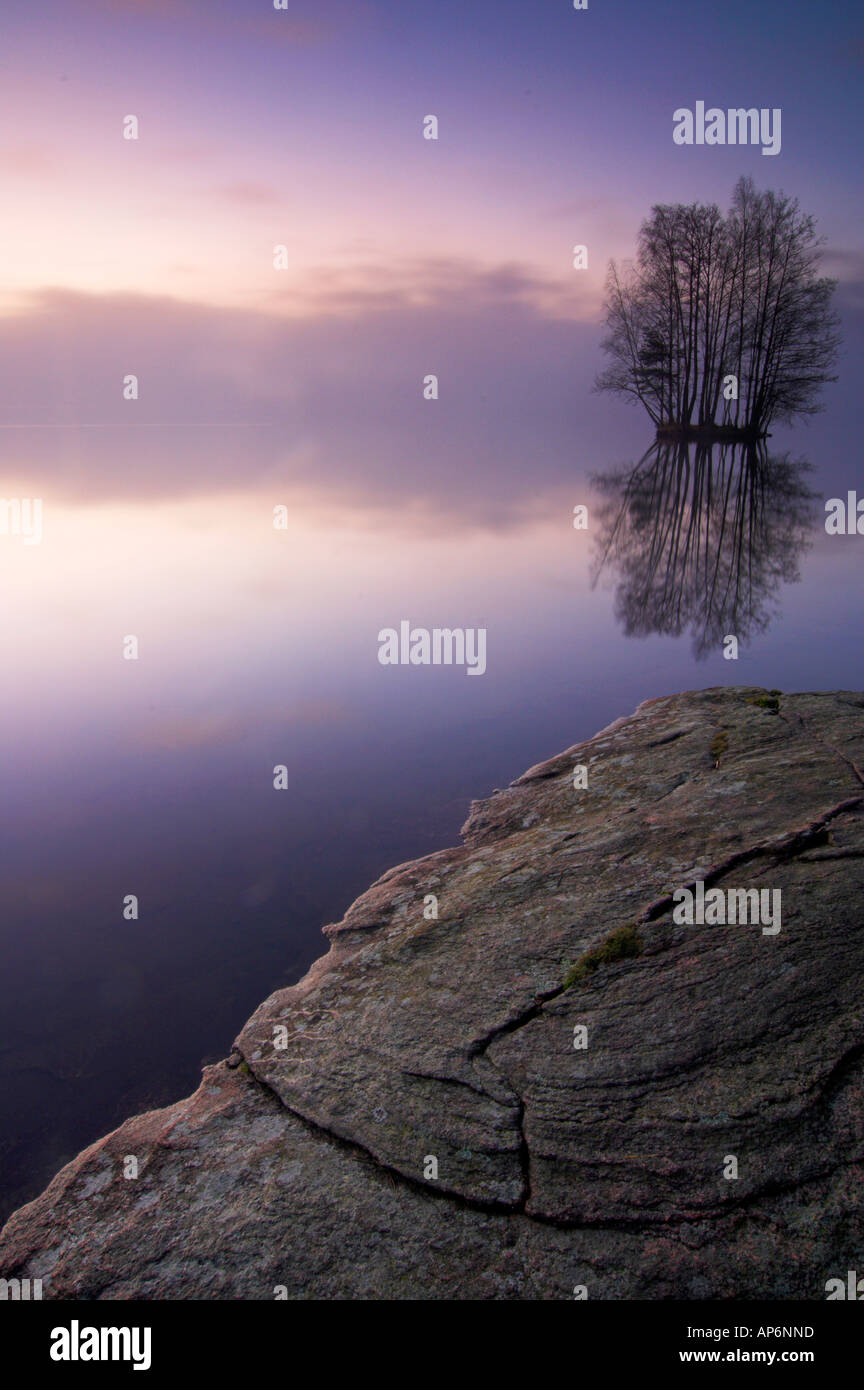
(424, 1044)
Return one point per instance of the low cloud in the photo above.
(323, 392)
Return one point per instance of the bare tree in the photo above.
(712, 297)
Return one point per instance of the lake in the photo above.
(257, 647)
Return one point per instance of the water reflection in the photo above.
(701, 537)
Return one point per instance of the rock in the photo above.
(413, 1119)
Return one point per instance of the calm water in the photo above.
(259, 647)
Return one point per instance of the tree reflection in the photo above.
(701, 537)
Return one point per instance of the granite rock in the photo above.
(416, 1118)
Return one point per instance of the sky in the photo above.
(303, 128)
(302, 387)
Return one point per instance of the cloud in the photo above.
(365, 286)
(325, 400)
(253, 193)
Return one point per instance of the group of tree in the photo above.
(711, 298)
